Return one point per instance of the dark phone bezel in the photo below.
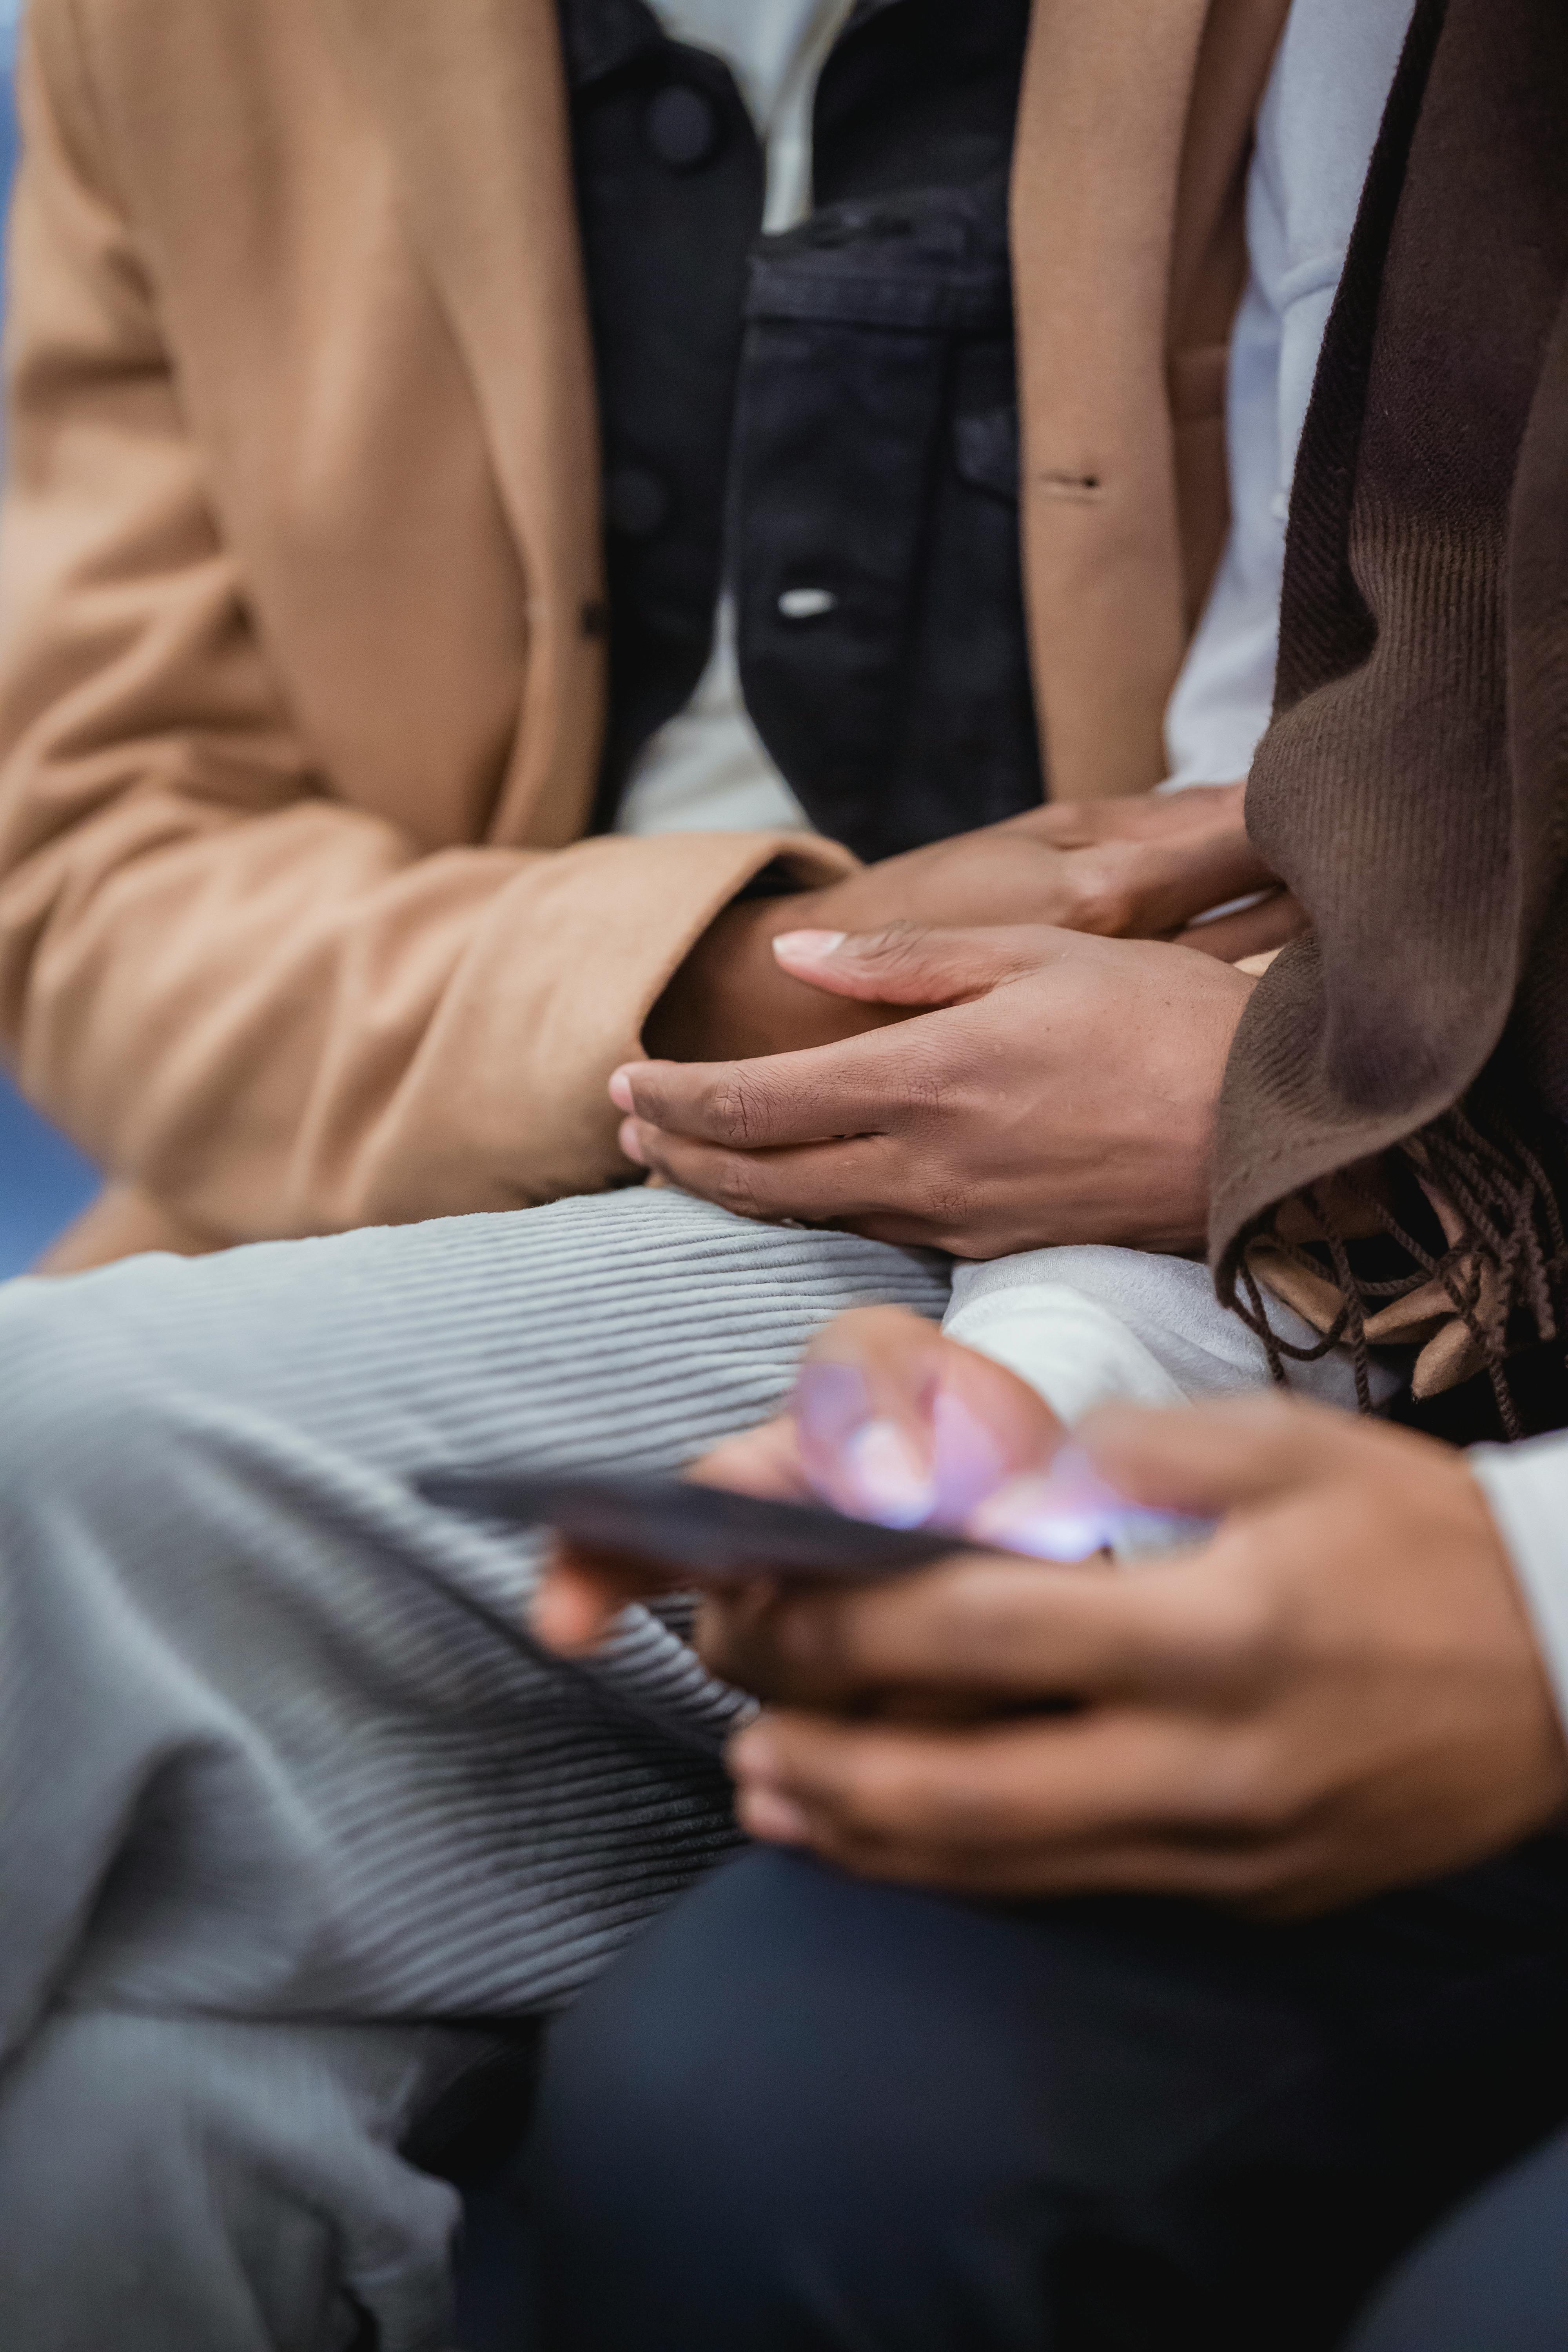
(707, 1534)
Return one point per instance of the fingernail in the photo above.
(969, 1463)
(631, 1142)
(621, 1090)
(776, 1820)
(830, 1402)
(887, 1478)
(807, 947)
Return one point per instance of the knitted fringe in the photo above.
(1504, 1272)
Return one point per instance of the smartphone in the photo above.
(709, 1535)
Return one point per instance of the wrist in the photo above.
(730, 999)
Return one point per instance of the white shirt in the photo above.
(707, 770)
(1316, 131)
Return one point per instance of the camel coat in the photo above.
(301, 653)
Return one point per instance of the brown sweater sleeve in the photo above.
(276, 1011)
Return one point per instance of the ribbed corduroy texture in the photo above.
(273, 1738)
(1413, 788)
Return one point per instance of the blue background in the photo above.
(43, 1181)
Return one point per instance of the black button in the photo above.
(682, 125)
(635, 501)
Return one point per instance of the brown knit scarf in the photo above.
(1413, 790)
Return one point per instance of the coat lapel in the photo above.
(472, 97)
(1133, 125)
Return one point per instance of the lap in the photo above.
(243, 1650)
(486, 1336)
(200, 2181)
(273, 1738)
(807, 2111)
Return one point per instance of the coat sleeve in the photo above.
(273, 1010)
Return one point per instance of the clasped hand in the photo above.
(1062, 1089)
(865, 1056)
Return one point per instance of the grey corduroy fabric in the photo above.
(274, 1742)
(179, 2184)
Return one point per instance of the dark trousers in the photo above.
(1492, 2278)
(806, 2111)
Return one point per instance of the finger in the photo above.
(1019, 1631)
(859, 1085)
(764, 1460)
(1208, 1459)
(1137, 817)
(1157, 887)
(817, 1183)
(1273, 922)
(1269, 1882)
(580, 1594)
(1149, 884)
(908, 964)
(1113, 1773)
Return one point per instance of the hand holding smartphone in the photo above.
(712, 1535)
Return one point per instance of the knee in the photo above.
(115, 2173)
(172, 2181)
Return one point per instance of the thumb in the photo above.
(907, 965)
(896, 1423)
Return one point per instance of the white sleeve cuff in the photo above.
(1072, 1351)
(1526, 1488)
(1132, 1323)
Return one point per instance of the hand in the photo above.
(888, 1421)
(1063, 1092)
(1142, 868)
(1340, 1692)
